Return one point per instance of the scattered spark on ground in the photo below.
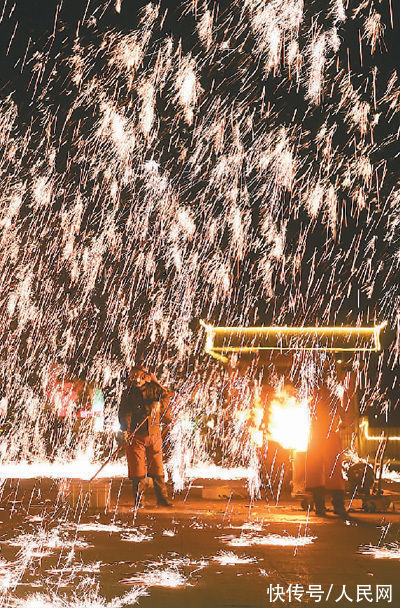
(159, 577)
(136, 536)
(86, 568)
(228, 558)
(10, 575)
(89, 600)
(43, 542)
(252, 526)
(248, 540)
(180, 562)
(96, 527)
(389, 551)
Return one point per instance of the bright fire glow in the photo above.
(289, 422)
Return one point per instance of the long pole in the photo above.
(115, 452)
(133, 433)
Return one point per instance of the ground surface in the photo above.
(199, 554)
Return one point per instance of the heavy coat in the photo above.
(324, 454)
(144, 407)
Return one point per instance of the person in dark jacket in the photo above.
(324, 454)
(329, 413)
(144, 404)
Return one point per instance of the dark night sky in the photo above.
(25, 20)
(27, 26)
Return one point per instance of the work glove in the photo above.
(127, 437)
(120, 438)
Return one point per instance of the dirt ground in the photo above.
(201, 553)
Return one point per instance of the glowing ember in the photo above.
(389, 551)
(228, 558)
(136, 537)
(248, 540)
(91, 599)
(159, 577)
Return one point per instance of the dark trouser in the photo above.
(337, 500)
(324, 462)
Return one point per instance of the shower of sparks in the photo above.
(246, 180)
(389, 551)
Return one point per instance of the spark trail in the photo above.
(244, 175)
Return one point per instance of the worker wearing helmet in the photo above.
(144, 404)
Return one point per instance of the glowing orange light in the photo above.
(364, 424)
(223, 340)
(289, 422)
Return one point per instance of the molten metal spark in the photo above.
(159, 577)
(389, 551)
(248, 540)
(228, 558)
(245, 180)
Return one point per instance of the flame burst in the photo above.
(289, 422)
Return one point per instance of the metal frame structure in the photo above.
(220, 341)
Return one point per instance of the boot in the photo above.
(338, 503)
(160, 490)
(138, 490)
(319, 501)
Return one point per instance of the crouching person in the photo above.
(144, 404)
